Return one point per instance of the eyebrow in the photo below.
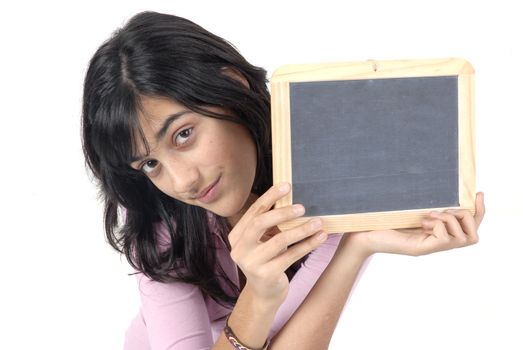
(163, 130)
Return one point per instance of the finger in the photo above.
(267, 221)
(432, 240)
(282, 241)
(298, 251)
(467, 223)
(452, 226)
(480, 208)
(265, 202)
(438, 232)
(261, 205)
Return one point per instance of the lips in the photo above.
(204, 192)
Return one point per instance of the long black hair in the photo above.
(161, 55)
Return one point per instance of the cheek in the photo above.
(162, 183)
(244, 158)
(215, 152)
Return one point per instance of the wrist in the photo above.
(356, 244)
(236, 342)
(251, 319)
(262, 303)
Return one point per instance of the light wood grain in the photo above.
(281, 132)
(372, 70)
(281, 136)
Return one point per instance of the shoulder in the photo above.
(155, 292)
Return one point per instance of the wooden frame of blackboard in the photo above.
(366, 70)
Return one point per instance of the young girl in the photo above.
(176, 129)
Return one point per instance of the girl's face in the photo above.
(190, 152)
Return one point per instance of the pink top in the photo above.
(177, 316)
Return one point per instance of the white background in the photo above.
(62, 287)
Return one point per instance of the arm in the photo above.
(263, 262)
(162, 305)
(304, 279)
(313, 324)
(250, 319)
(175, 315)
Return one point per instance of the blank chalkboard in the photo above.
(366, 146)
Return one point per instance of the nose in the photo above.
(184, 178)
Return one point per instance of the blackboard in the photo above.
(378, 148)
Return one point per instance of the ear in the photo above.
(232, 72)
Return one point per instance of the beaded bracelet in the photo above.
(233, 339)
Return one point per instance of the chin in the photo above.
(234, 207)
(230, 211)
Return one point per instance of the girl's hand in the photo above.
(263, 256)
(441, 231)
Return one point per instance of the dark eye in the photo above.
(183, 136)
(149, 166)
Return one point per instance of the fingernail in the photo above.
(298, 209)
(316, 224)
(322, 236)
(284, 187)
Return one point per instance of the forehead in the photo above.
(152, 114)
(154, 110)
